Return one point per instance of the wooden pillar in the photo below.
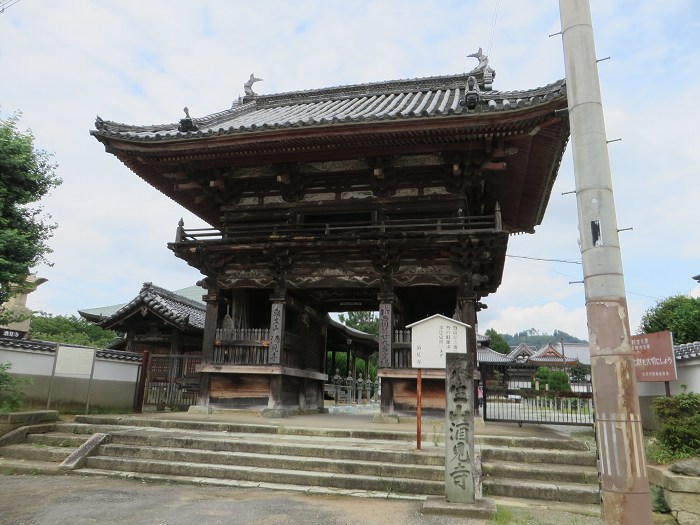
(211, 319)
(277, 321)
(387, 404)
(386, 338)
(386, 329)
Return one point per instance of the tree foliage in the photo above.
(26, 175)
(535, 338)
(679, 314)
(71, 330)
(557, 380)
(498, 343)
(367, 322)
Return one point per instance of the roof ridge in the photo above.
(164, 292)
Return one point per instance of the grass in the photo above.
(503, 516)
(658, 454)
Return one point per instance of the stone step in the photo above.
(268, 475)
(235, 483)
(369, 451)
(102, 423)
(561, 491)
(532, 442)
(56, 439)
(12, 466)
(36, 452)
(276, 461)
(246, 428)
(518, 455)
(540, 471)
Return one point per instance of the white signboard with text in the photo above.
(74, 361)
(433, 338)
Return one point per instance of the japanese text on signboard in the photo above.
(653, 357)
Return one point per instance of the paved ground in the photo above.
(79, 500)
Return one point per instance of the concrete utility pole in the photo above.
(626, 498)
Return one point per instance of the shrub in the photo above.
(678, 434)
(11, 396)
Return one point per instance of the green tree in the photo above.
(557, 380)
(26, 175)
(71, 330)
(580, 372)
(679, 314)
(367, 322)
(498, 343)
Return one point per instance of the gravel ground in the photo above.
(79, 500)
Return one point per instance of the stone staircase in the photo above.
(43, 449)
(314, 460)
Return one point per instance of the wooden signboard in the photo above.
(433, 338)
(654, 359)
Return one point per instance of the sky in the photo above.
(63, 62)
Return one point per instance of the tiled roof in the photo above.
(422, 98)
(552, 359)
(173, 308)
(193, 293)
(687, 351)
(521, 351)
(486, 355)
(50, 346)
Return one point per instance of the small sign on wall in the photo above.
(432, 338)
(654, 359)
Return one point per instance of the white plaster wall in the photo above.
(108, 370)
(114, 382)
(27, 363)
(688, 373)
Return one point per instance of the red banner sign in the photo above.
(653, 357)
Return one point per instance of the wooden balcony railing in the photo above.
(391, 228)
(249, 346)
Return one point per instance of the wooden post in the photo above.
(211, 319)
(419, 390)
(277, 322)
(386, 329)
(138, 405)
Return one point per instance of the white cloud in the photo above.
(71, 60)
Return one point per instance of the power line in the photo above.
(542, 259)
(6, 4)
(493, 28)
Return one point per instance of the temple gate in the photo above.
(397, 197)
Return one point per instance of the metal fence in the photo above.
(512, 392)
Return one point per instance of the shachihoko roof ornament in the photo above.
(248, 86)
